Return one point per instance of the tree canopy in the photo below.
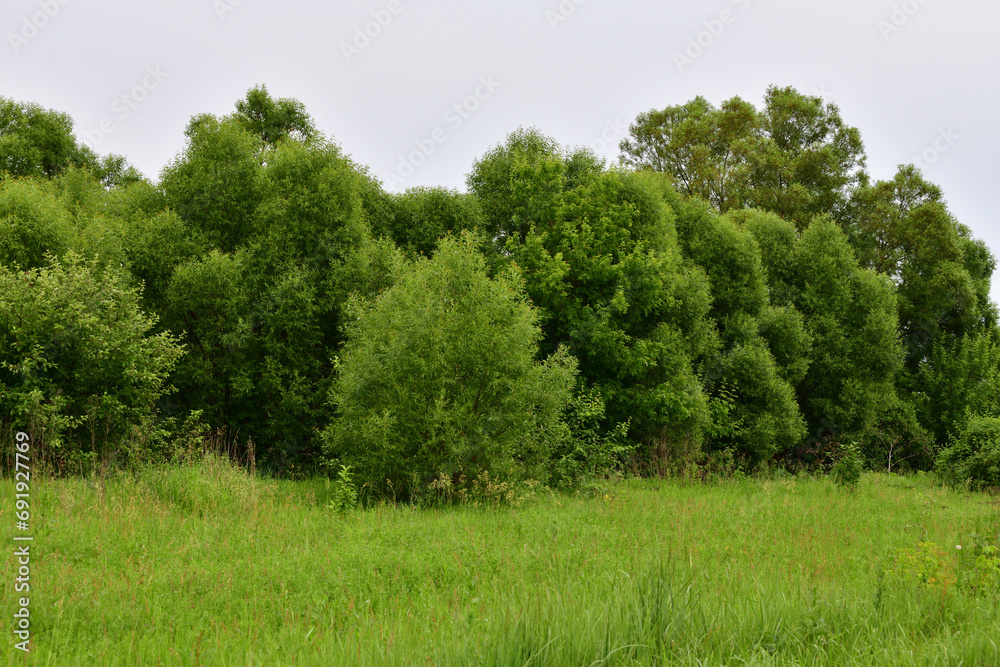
(737, 289)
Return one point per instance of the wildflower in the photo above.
(958, 546)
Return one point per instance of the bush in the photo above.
(79, 369)
(586, 451)
(973, 456)
(847, 470)
(438, 376)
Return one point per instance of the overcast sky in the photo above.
(919, 78)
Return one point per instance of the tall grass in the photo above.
(202, 564)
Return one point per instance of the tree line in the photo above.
(738, 292)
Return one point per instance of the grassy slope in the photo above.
(203, 565)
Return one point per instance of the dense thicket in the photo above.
(739, 290)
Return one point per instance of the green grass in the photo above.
(202, 565)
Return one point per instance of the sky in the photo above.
(417, 90)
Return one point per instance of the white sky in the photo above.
(575, 79)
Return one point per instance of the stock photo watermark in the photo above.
(714, 29)
(946, 138)
(363, 35)
(22, 550)
(614, 129)
(125, 104)
(223, 7)
(455, 116)
(562, 12)
(900, 16)
(35, 23)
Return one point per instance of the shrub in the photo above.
(438, 376)
(345, 494)
(847, 470)
(973, 455)
(586, 450)
(79, 369)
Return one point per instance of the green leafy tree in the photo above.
(33, 223)
(264, 311)
(599, 255)
(424, 215)
(903, 229)
(206, 303)
(438, 377)
(796, 157)
(79, 363)
(702, 148)
(35, 141)
(957, 378)
(214, 184)
(850, 313)
(764, 417)
(39, 143)
(274, 119)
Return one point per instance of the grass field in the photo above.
(202, 565)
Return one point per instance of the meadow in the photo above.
(203, 564)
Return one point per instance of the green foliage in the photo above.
(747, 287)
(214, 184)
(517, 183)
(79, 368)
(848, 468)
(850, 314)
(155, 247)
(438, 376)
(424, 215)
(897, 442)
(762, 401)
(600, 260)
(959, 376)
(35, 141)
(263, 311)
(345, 494)
(274, 119)
(796, 157)
(32, 223)
(702, 148)
(927, 565)
(973, 455)
(587, 451)
(903, 229)
(205, 302)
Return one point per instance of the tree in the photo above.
(796, 157)
(79, 364)
(39, 143)
(438, 377)
(903, 229)
(274, 119)
(33, 224)
(424, 215)
(851, 315)
(35, 141)
(600, 259)
(704, 149)
(214, 184)
(763, 417)
(957, 378)
(264, 310)
(519, 182)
